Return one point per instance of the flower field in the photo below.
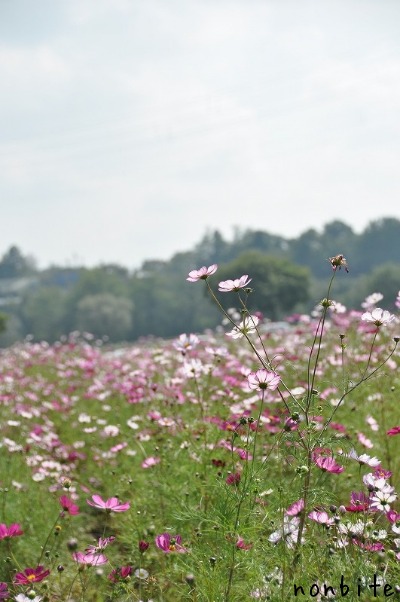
(251, 463)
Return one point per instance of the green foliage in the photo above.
(278, 285)
(3, 322)
(105, 314)
(15, 265)
(43, 312)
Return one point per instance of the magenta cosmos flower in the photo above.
(12, 531)
(228, 286)
(68, 505)
(202, 274)
(30, 575)
(170, 543)
(111, 505)
(395, 430)
(378, 316)
(263, 379)
(4, 591)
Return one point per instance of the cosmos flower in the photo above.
(240, 543)
(111, 505)
(170, 543)
(228, 286)
(202, 274)
(328, 464)
(186, 342)
(364, 459)
(321, 517)
(89, 558)
(68, 506)
(378, 316)
(31, 575)
(247, 326)
(12, 531)
(395, 430)
(120, 574)
(295, 508)
(263, 379)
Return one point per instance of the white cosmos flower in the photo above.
(247, 326)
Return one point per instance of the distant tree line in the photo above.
(110, 301)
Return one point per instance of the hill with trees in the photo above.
(288, 275)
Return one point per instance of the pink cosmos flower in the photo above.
(4, 591)
(170, 543)
(328, 464)
(378, 316)
(89, 558)
(150, 461)
(111, 505)
(262, 379)
(202, 274)
(242, 545)
(395, 430)
(30, 575)
(228, 286)
(68, 505)
(101, 545)
(295, 508)
(321, 517)
(12, 531)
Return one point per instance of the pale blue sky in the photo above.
(129, 127)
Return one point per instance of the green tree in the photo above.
(383, 279)
(278, 285)
(378, 244)
(105, 314)
(43, 313)
(15, 265)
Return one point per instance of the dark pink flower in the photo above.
(143, 546)
(233, 478)
(170, 543)
(30, 575)
(242, 545)
(395, 430)
(111, 505)
(4, 591)
(12, 531)
(202, 274)
(68, 505)
(393, 516)
(120, 574)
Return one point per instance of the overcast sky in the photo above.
(130, 127)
